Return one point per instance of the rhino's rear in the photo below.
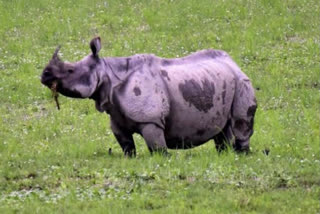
(201, 89)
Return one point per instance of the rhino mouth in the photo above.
(49, 84)
(67, 92)
(53, 82)
(48, 80)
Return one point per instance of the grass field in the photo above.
(57, 161)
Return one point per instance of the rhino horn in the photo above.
(55, 55)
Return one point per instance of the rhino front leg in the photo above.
(154, 137)
(125, 140)
(127, 144)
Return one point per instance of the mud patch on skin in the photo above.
(200, 97)
(224, 97)
(122, 65)
(165, 74)
(224, 85)
(92, 67)
(137, 91)
(85, 80)
(166, 62)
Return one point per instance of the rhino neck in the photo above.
(116, 72)
(101, 95)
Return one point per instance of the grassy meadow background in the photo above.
(57, 161)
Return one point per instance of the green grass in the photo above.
(57, 161)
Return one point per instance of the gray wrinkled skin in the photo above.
(173, 103)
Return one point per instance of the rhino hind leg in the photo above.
(243, 110)
(154, 138)
(225, 138)
(243, 130)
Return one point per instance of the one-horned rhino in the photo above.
(173, 103)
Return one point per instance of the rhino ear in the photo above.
(95, 45)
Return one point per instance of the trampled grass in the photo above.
(58, 162)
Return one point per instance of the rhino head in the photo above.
(77, 80)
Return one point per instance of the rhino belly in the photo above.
(187, 129)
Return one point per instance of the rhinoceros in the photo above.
(177, 103)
